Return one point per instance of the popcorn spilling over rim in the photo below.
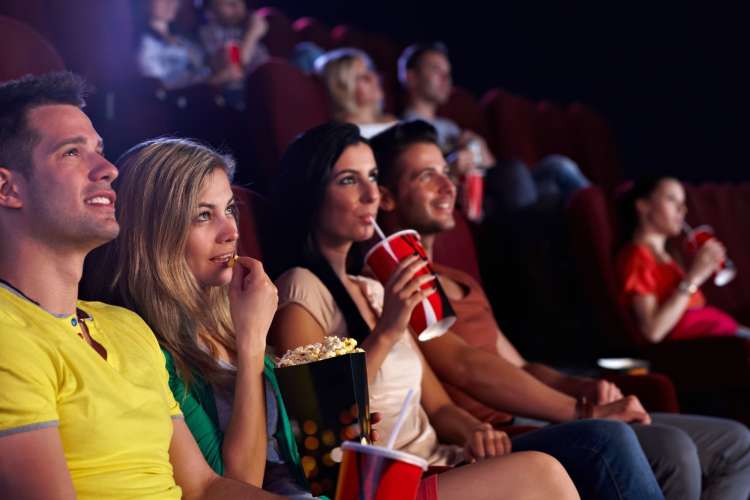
(331, 347)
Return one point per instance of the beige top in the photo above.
(401, 370)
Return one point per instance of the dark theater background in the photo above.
(669, 75)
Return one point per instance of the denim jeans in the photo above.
(602, 457)
(512, 186)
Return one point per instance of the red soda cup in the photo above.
(377, 473)
(434, 315)
(233, 52)
(696, 238)
(472, 194)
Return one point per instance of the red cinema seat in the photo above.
(280, 38)
(464, 109)
(726, 208)
(34, 13)
(252, 208)
(309, 29)
(456, 248)
(553, 132)
(510, 120)
(284, 102)
(594, 145)
(24, 51)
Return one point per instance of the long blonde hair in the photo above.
(336, 70)
(157, 195)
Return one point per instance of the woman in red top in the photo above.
(665, 298)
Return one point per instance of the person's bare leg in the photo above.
(527, 475)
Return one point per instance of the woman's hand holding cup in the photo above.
(253, 299)
(708, 259)
(403, 291)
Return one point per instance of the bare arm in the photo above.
(503, 386)
(197, 480)
(455, 425)
(656, 321)
(28, 456)
(253, 299)
(256, 29)
(245, 441)
(494, 381)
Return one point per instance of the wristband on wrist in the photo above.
(584, 408)
(687, 287)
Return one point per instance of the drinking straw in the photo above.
(686, 227)
(400, 420)
(386, 245)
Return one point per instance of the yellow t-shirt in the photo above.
(113, 415)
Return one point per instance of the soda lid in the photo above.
(724, 276)
(385, 452)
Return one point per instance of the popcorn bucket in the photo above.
(328, 403)
(377, 473)
(434, 315)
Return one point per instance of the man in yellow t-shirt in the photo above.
(85, 409)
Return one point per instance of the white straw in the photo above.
(377, 229)
(400, 420)
(386, 245)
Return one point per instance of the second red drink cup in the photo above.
(434, 315)
(695, 239)
(376, 473)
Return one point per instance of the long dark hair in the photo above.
(296, 199)
(627, 213)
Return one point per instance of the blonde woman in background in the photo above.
(354, 90)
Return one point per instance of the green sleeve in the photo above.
(199, 410)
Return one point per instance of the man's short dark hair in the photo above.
(391, 143)
(412, 55)
(17, 98)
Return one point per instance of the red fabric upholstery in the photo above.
(31, 12)
(593, 240)
(510, 119)
(552, 130)
(348, 36)
(464, 109)
(309, 29)
(455, 248)
(655, 391)
(726, 208)
(24, 51)
(284, 102)
(594, 146)
(280, 38)
(252, 210)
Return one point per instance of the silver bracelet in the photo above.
(687, 287)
